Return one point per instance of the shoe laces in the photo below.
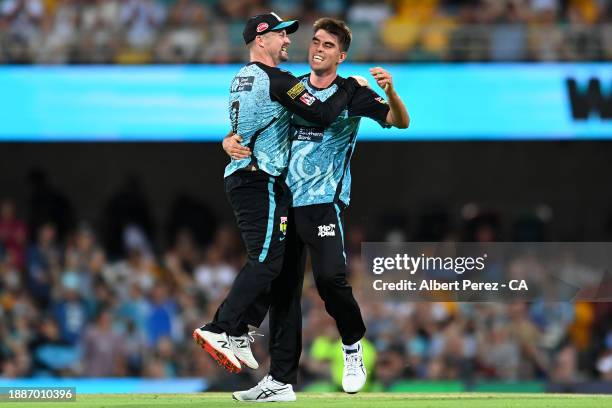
(250, 336)
(264, 382)
(353, 362)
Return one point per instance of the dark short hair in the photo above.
(337, 28)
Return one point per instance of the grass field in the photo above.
(338, 400)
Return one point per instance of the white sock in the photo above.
(352, 347)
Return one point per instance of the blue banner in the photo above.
(189, 103)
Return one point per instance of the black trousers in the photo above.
(320, 229)
(261, 205)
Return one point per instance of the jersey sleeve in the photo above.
(367, 103)
(293, 95)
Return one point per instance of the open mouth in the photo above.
(283, 49)
(317, 58)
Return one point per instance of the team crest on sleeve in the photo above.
(380, 99)
(296, 90)
(307, 98)
(283, 225)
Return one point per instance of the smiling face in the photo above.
(324, 53)
(276, 44)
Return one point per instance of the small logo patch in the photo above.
(307, 98)
(283, 225)
(308, 134)
(381, 100)
(327, 230)
(296, 90)
(262, 27)
(242, 84)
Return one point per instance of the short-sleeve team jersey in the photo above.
(319, 165)
(262, 100)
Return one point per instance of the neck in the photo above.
(263, 58)
(323, 79)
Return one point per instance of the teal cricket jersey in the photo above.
(262, 100)
(319, 166)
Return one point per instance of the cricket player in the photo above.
(319, 179)
(262, 101)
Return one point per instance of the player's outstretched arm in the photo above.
(231, 145)
(293, 95)
(398, 114)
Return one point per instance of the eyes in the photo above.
(327, 45)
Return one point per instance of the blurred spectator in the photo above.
(103, 352)
(43, 265)
(134, 310)
(163, 320)
(13, 233)
(23, 18)
(184, 38)
(470, 41)
(141, 20)
(545, 36)
(137, 269)
(70, 309)
(52, 355)
(565, 366)
(135, 349)
(213, 276)
(101, 27)
(390, 365)
(500, 354)
(61, 33)
(529, 339)
(509, 34)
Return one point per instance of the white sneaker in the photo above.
(218, 346)
(267, 390)
(354, 375)
(241, 346)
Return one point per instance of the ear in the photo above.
(342, 57)
(259, 41)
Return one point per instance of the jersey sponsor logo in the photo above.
(283, 225)
(380, 99)
(243, 84)
(308, 134)
(327, 230)
(307, 98)
(296, 90)
(262, 27)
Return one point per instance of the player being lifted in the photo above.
(262, 100)
(319, 179)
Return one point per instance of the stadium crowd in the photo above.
(209, 31)
(113, 301)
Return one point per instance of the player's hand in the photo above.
(232, 146)
(383, 78)
(361, 80)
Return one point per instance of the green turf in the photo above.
(338, 400)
